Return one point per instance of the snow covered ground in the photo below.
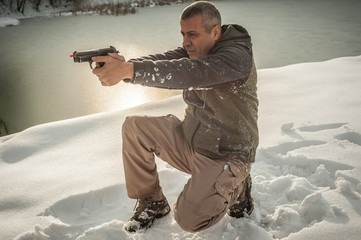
(8, 21)
(64, 180)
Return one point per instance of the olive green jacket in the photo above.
(219, 90)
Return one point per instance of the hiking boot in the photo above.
(146, 212)
(244, 204)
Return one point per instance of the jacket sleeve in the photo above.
(227, 63)
(169, 55)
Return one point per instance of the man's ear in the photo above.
(216, 32)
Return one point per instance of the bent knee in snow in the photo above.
(197, 217)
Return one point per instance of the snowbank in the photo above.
(7, 21)
(64, 180)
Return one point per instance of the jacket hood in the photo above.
(234, 32)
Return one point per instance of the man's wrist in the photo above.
(129, 70)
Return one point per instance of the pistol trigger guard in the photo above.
(90, 64)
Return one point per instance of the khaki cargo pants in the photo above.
(214, 185)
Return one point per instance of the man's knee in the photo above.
(195, 217)
(185, 219)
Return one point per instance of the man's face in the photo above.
(195, 38)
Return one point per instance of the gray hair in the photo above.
(208, 10)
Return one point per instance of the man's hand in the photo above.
(114, 70)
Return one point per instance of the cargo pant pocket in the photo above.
(229, 182)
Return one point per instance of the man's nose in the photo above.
(186, 41)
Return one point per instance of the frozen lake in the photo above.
(40, 83)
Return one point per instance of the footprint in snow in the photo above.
(353, 137)
(321, 127)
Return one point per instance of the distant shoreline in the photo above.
(63, 9)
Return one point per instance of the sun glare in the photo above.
(134, 96)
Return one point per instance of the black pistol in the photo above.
(86, 56)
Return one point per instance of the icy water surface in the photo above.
(39, 82)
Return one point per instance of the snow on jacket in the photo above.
(219, 90)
